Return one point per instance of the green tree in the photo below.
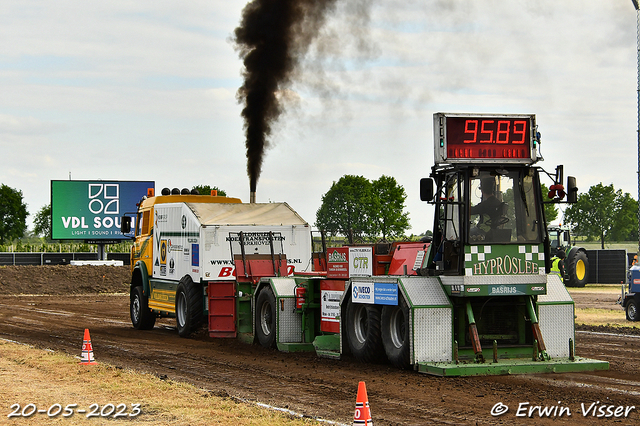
(602, 213)
(357, 208)
(42, 222)
(346, 208)
(625, 227)
(206, 190)
(13, 214)
(550, 209)
(390, 219)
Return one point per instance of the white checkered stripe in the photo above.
(534, 252)
(531, 253)
(478, 252)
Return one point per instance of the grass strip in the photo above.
(46, 378)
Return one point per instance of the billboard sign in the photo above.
(91, 210)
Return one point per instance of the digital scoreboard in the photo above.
(485, 138)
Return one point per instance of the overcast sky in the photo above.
(146, 90)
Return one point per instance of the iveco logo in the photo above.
(355, 292)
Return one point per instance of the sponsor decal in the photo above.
(337, 262)
(256, 238)
(506, 265)
(504, 289)
(473, 289)
(374, 293)
(385, 293)
(172, 266)
(337, 256)
(330, 305)
(195, 254)
(360, 261)
(362, 292)
(163, 252)
(174, 247)
(504, 260)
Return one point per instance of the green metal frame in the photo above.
(513, 366)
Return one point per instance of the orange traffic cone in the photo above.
(362, 416)
(87, 350)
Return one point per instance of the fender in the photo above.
(140, 277)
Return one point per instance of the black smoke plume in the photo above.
(272, 39)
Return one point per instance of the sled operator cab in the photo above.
(490, 250)
(486, 189)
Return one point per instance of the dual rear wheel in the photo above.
(374, 333)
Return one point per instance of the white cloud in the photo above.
(146, 91)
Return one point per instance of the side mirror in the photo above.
(426, 189)
(125, 224)
(572, 190)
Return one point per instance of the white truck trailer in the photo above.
(183, 255)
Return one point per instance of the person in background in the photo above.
(557, 264)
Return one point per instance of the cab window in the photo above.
(143, 223)
(503, 208)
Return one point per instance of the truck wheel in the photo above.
(266, 318)
(142, 317)
(363, 332)
(632, 310)
(577, 268)
(395, 334)
(188, 307)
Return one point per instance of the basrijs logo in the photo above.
(336, 256)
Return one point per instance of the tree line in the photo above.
(358, 209)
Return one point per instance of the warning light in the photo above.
(556, 190)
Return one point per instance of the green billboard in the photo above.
(91, 210)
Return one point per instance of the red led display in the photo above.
(488, 138)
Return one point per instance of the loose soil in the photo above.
(50, 306)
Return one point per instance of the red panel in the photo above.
(405, 254)
(222, 309)
(258, 268)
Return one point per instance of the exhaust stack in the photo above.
(252, 197)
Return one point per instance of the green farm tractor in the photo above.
(576, 262)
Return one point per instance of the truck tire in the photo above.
(577, 267)
(188, 307)
(266, 318)
(395, 334)
(363, 331)
(142, 317)
(632, 310)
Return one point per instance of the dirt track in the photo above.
(303, 382)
